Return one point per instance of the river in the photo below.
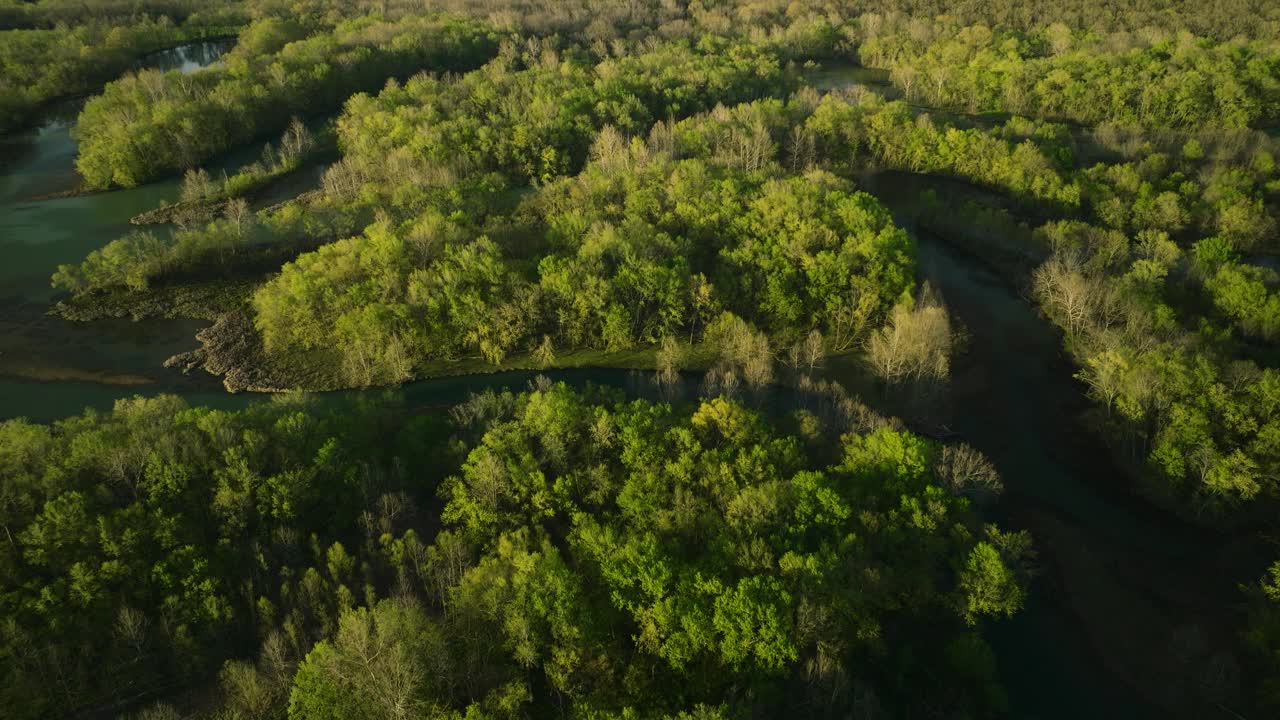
(1127, 618)
(37, 235)
(1135, 614)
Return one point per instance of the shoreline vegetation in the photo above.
(92, 54)
(204, 198)
(1046, 192)
(148, 124)
(476, 435)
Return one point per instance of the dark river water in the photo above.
(1129, 618)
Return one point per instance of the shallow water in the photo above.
(37, 235)
(842, 75)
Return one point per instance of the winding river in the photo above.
(1130, 618)
(1132, 613)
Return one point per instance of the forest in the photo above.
(761, 223)
(531, 550)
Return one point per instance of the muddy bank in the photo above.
(232, 349)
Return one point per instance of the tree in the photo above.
(378, 666)
(987, 585)
(966, 471)
(915, 345)
(669, 359)
(545, 354)
(238, 214)
(197, 186)
(753, 621)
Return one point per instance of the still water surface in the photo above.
(38, 233)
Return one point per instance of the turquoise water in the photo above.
(37, 235)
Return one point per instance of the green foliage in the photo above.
(622, 178)
(840, 130)
(41, 65)
(627, 258)
(989, 585)
(534, 120)
(1246, 294)
(151, 542)
(146, 124)
(1158, 81)
(129, 261)
(1196, 422)
(595, 555)
(378, 665)
(20, 14)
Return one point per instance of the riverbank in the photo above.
(171, 54)
(1132, 615)
(1154, 597)
(232, 350)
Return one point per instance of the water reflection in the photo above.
(186, 58)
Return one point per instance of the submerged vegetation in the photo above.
(543, 184)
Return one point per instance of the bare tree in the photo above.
(905, 76)
(377, 661)
(810, 353)
(965, 471)
(196, 185)
(545, 354)
(446, 562)
(488, 481)
(745, 356)
(296, 141)
(1066, 293)
(914, 345)
(609, 151)
(1105, 374)
(662, 139)
(238, 213)
(802, 150)
(131, 628)
(669, 360)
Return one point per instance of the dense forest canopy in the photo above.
(590, 554)
(1155, 79)
(732, 187)
(37, 66)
